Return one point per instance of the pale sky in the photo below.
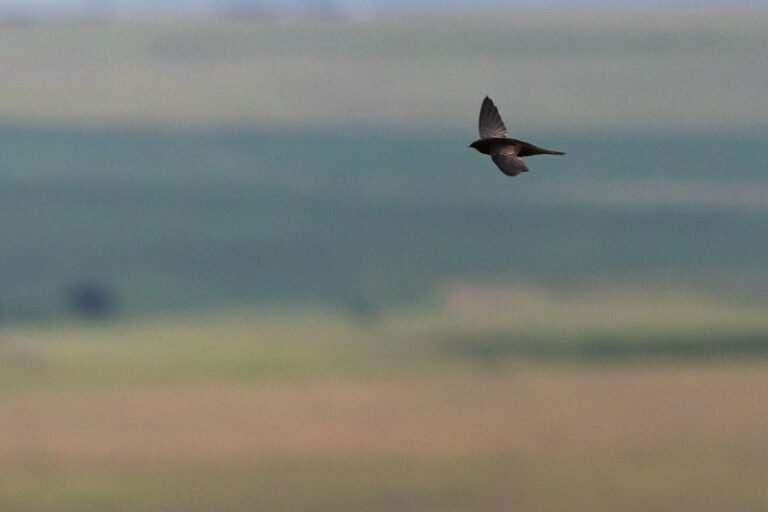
(47, 7)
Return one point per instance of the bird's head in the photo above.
(480, 145)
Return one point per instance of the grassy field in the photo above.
(438, 409)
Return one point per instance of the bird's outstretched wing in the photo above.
(491, 124)
(505, 158)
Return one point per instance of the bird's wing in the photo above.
(491, 124)
(505, 158)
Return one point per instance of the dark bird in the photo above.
(505, 152)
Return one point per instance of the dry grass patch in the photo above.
(531, 438)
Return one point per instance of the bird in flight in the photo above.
(505, 152)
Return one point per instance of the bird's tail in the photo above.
(526, 149)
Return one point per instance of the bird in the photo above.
(505, 152)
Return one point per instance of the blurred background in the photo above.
(248, 261)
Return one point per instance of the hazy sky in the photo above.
(364, 6)
(562, 3)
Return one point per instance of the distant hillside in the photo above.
(543, 70)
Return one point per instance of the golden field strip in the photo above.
(688, 437)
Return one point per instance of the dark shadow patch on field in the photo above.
(491, 347)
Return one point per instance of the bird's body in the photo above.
(504, 152)
(522, 148)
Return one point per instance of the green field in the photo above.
(173, 220)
